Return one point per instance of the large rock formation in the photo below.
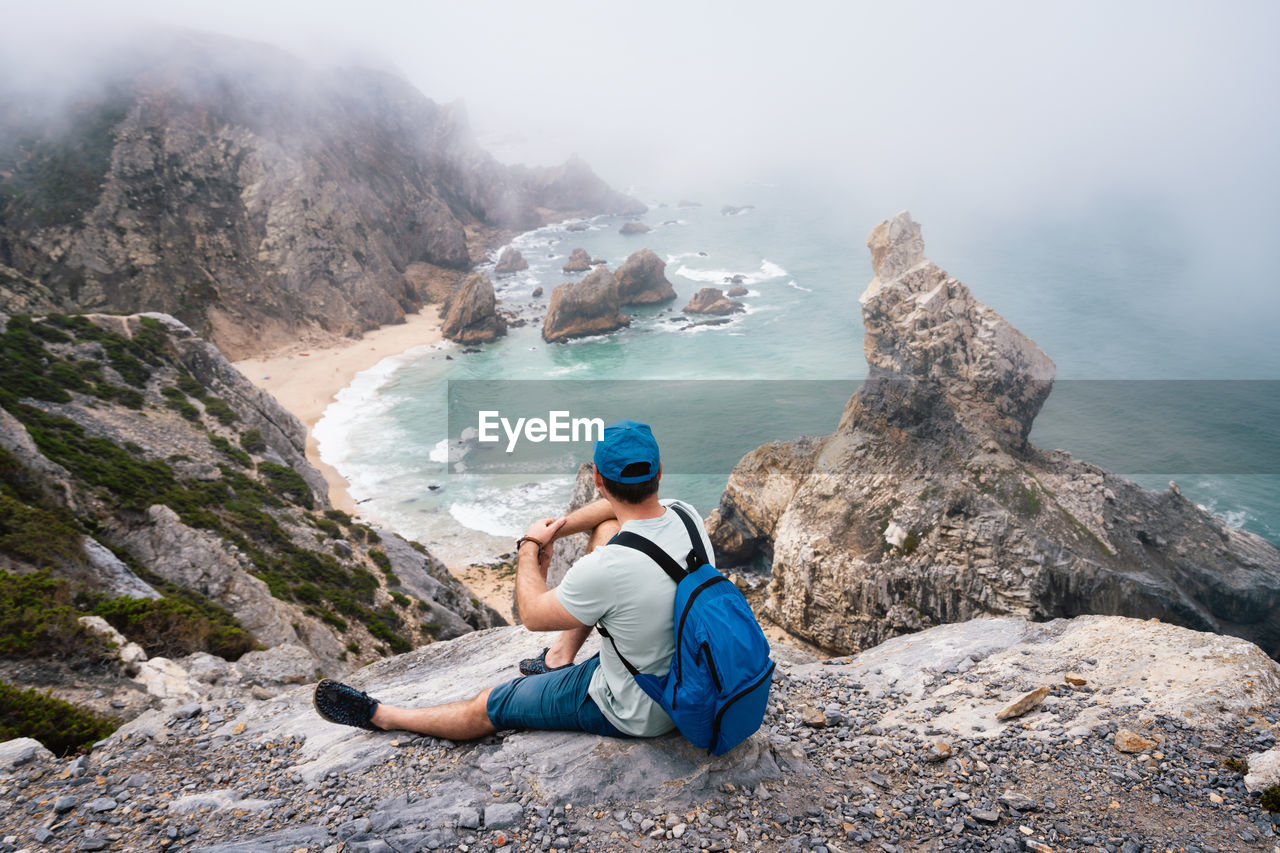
(711, 300)
(902, 741)
(471, 313)
(137, 461)
(581, 308)
(929, 505)
(255, 198)
(642, 279)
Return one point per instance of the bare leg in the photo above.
(465, 720)
(566, 646)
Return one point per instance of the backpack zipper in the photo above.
(715, 727)
(711, 665)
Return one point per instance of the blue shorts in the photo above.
(551, 700)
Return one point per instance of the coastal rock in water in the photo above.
(537, 291)
(587, 307)
(510, 261)
(736, 290)
(929, 505)
(629, 228)
(579, 261)
(711, 300)
(471, 315)
(642, 279)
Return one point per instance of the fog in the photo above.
(968, 113)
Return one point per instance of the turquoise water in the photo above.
(1106, 302)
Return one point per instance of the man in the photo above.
(618, 587)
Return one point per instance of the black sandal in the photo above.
(538, 665)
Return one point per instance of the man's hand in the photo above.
(540, 609)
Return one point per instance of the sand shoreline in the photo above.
(305, 378)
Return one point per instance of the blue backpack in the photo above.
(718, 685)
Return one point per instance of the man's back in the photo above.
(633, 598)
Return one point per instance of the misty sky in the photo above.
(999, 99)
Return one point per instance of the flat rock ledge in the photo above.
(897, 748)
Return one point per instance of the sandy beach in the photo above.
(305, 378)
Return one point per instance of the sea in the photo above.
(1161, 334)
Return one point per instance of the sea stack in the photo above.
(470, 314)
(929, 505)
(642, 279)
(510, 261)
(711, 300)
(581, 308)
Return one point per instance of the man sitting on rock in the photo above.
(618, 587)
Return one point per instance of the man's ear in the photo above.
(597, 478)
(659, 472)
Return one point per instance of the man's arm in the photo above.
(585, 518)
(540, 608)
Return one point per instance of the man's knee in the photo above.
(605, 531)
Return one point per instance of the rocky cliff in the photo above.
(136, 462)
(929, 505)
(1137, 733)
(253, 197)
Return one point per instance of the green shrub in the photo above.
(170, 628)
(400, 598)
(235, 453)
(380, 559)
(253, 441)
(36, 536)
(338, 516)
(218, 407)
(62, 727)
(37, 621)
(287, 483)
(184, 408)
(24, 365)
(1271, 799)
(1236, 765)
(190, 386)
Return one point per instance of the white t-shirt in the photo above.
(631, 595)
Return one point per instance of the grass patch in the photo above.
(63, 728)
(253, 441)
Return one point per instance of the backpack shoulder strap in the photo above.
(650, 549)
(695, 536)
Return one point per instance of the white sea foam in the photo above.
(507, 512)
(768, 271)
(359, 401)
(684, 256)
(792, 283)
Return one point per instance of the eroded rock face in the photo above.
(510, 261)
(711, 300)
(929, 505)
(587, 307)
(471, 316)
(642, 279)
(257, 199)
(208, 488)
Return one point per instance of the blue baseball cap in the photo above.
(627, 443)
